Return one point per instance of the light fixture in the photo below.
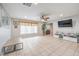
(42, 20)
(25, 16)
(35, 3)
(27, 4)
(61, 15)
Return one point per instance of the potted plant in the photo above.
(61, 35)
(44, 28)
(77, 34)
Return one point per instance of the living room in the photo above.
(39, 29)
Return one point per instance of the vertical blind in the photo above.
(28, 28)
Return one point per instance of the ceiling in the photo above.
(53, 10)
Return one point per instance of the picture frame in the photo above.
(15, 24)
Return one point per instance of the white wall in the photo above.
(74, 29)
(15, 32)
(4, 30)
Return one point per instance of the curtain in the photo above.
(28, 28)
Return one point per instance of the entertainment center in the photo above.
(71, 36)
(68, 36)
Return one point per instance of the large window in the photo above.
(28, 28)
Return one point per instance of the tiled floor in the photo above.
(45, 46)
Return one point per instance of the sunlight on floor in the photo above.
(30, 43)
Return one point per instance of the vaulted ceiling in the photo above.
(53, 10)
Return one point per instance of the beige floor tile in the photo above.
(44, 46)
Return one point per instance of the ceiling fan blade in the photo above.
(27, 4)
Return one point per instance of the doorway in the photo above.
(48, 29)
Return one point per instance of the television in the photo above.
(65, 23)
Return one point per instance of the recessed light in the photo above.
(35, 3)
(25, 17)
(61, 15)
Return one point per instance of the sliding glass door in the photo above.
(28, 28)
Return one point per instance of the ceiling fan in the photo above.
(29, 4)
(45, 16)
